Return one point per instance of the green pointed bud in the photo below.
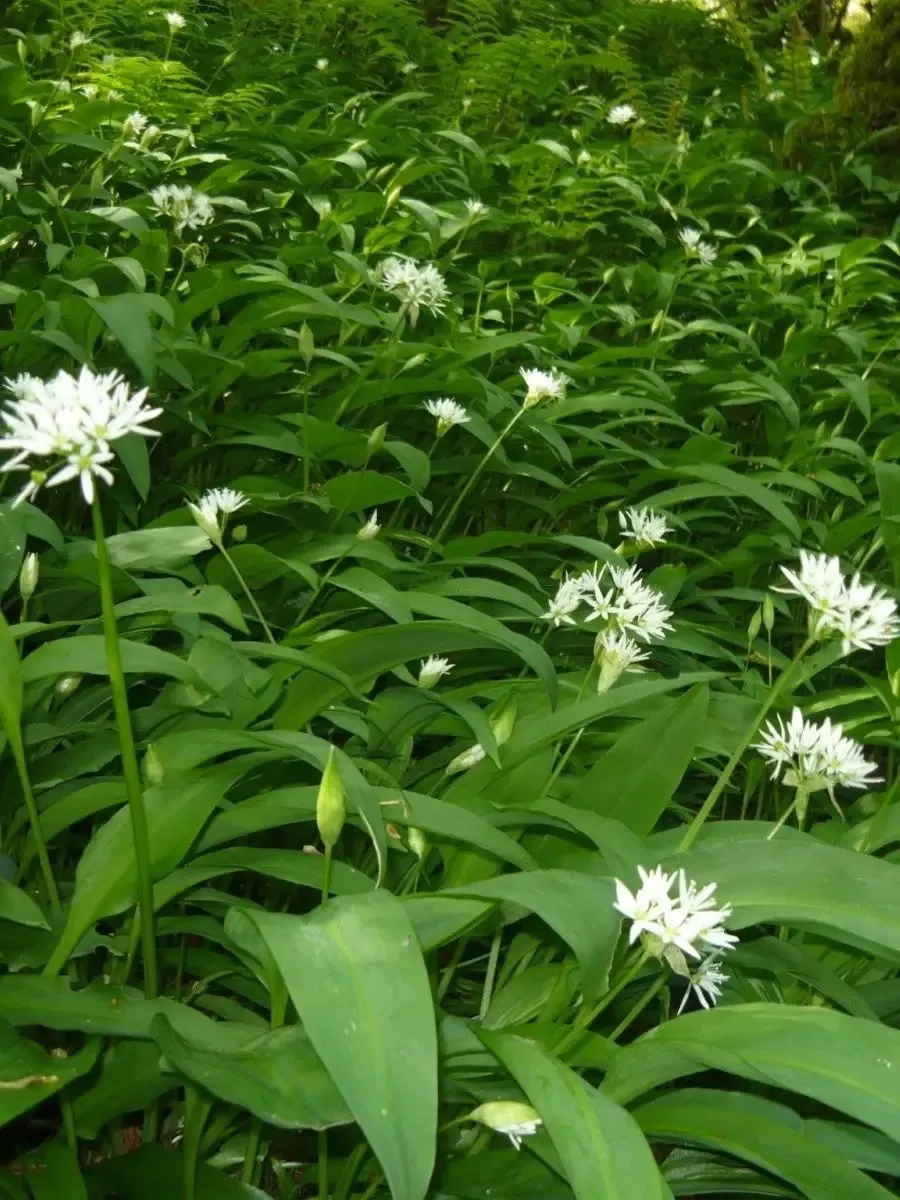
(376, 439)
(503, 723)
(768, 613)
(412, 363)
(754, 627)
(28, 576)
(306, 343)
(417, 842)
(331, 808)
(153, 768)
(239, 533)
(67, 685)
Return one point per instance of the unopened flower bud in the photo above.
(417, 842)
(67, 685)
(239, 533)
(331, 808)
(503, 723)
(433, 669)
(376, 439)
(28, 576)
(754, 627)
(370, 529)
(768, 613)
(153, 768)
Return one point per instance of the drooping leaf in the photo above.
(370, 1018)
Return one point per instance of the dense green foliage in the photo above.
(365, 929)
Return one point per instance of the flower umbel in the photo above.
(861, 614)
(621, 114)
(811, 757)
(543, 385)
(216, 503)
(687, 922)
(644, 527)
(567, 599)
(447, 413)
(175, 21)
(187, 208)
(705, 983)
(70, 420)
(416, 286)
(432, 670)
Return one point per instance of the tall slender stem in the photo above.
(133, 790)
(587, 1016)
(323, 1164)
(17, 747)
(251, 1151)
(470, 483)
(239, 577)
(693, 830)
(196, 1110)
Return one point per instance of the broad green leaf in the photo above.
(154, 1172)
(579, 908)
(156, 549)
(368, 654)
(634, 787)
(732, 483)
(277, 1076)
(500, 1175)
(370, 1018)
(101, 1008)
(85, 654)
(18, 906)
(798, 880)
(106, 876)
(292, 866)
(129, 1080)
(603, 1153)
(53, 1173)
(767, 1135)
(28, 1074)
(128, 317)
(12, 543)
(852, 1065)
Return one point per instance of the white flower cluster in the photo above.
(189, 209)
(694, 245)
(70, 420)
(861, 614)
(432, 670)
(630, 608)
(812, 757)
(644, 527)
(447, 413)
(543, 385)
(621, 114)
(678, 927)
(175, 21)
(416, 286)
(212, 510)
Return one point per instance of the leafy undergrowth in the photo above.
(438, 603)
